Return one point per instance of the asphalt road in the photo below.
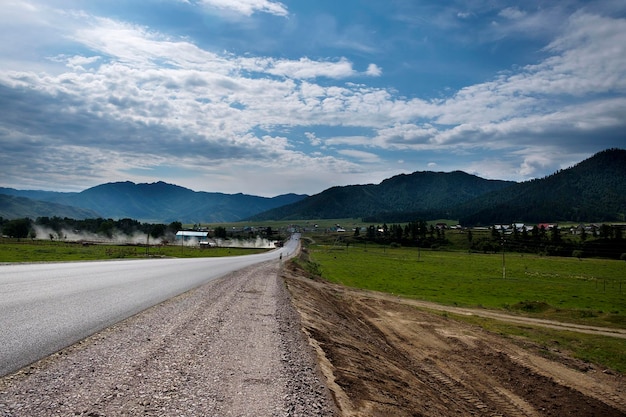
(45, 307)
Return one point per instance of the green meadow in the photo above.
(53, 251)
(586, 291)
(590, 291)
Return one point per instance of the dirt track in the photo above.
(384, 357)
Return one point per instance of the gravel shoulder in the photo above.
(232, 347)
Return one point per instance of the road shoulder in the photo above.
(231, 347)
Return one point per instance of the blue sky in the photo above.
(265, 97)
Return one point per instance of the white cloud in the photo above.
(306, 68)
(512, 13)
(348, 140)
(315, 141)
(248, 7)
(374, 70)
(127, 95)
(363, 156)
(406, 136)
(79, 62)
(589, 58)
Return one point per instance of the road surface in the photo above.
(45, 307)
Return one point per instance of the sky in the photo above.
(267, 97)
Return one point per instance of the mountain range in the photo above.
(157, 202)
(419, 192)
(593, 190)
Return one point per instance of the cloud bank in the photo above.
(108, 100)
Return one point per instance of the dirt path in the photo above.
(382, 356)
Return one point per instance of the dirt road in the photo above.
(384, 357)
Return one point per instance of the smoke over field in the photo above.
(117, 237)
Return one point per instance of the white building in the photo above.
(187, 235)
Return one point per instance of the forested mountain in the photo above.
(13, 207)
(594, 190)
(417, 192)
(157, 202)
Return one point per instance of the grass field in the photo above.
(52, 251)
(588, 291)
(591, 291)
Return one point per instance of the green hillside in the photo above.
(592, 191)
(406, 193)
(14, 207)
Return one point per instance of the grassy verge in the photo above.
(588, 291)
(47, 251)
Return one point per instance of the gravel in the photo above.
(233, 347)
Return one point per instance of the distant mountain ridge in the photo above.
(15, 206)
(593, 190)
(419, 192)
(156, 202)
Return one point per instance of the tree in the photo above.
(535, 233)
(606, 231)
(18, 228)
(157, 230)
(220, 232)
(106, 228)
(174, 227)
(617, 233)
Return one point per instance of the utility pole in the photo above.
(503, 260)
(418, 250)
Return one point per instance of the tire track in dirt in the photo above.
(383, 356)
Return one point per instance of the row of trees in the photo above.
(417, 233)
(601, 241)
(605, 241)
(58, 227)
